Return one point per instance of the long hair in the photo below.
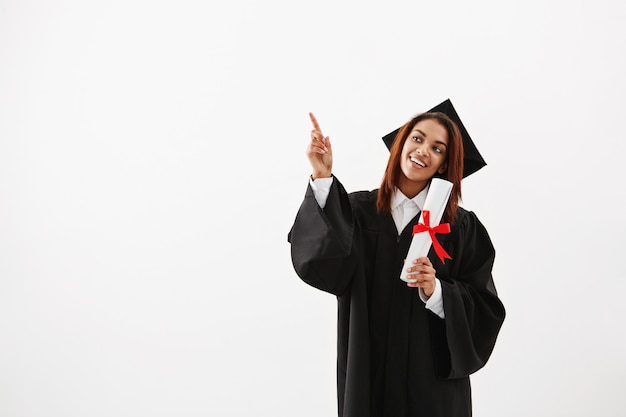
(453, 172)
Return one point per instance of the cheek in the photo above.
(405, 153)
(441, 163)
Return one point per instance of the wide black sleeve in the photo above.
(474, 313)
(322, 247)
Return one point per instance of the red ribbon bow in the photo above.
(441, 228)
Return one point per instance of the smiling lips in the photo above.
(417, 162)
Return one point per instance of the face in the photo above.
(423, 156)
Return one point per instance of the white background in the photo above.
(152, 162)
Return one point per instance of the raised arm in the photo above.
(322, 248)
(319, 152)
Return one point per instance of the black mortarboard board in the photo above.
(472, 161)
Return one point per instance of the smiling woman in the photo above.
(423, 156)
(404, 349)
(432, 145)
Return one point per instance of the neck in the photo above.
(411, 188)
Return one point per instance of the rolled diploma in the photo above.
(436, 201)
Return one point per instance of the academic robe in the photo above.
(395, 358)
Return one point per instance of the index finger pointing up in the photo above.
(316, 125)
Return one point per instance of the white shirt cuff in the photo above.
(321, 189)
(435, 302)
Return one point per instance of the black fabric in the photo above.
(395, 357)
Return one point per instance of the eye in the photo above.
(437, 149)
(417, 139)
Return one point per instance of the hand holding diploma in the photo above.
(434, 206)
(422, 275)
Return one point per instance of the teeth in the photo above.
(420, 163)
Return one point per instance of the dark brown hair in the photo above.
(454, 164)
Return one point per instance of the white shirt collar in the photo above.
(399, 198)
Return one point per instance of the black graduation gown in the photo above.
(395, 357)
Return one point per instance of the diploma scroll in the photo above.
(436, 201)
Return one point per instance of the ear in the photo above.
(442, 168)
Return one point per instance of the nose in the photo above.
(421, 149)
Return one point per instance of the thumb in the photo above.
(327, 143)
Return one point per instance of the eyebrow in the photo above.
(437, 141)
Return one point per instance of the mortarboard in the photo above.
(472, 161)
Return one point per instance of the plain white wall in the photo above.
(152, 161)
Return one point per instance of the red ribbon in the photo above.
(441, 229)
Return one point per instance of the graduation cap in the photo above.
(472, 161)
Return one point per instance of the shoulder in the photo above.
(363, 200)
(363, 205)
(468, 226)
(360, 201)
(364, 197)
(466, 218)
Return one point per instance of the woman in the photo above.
(404, 348)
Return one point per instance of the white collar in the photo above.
(399, 198)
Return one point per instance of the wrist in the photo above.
(317, 175)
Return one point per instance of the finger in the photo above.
(316, 134)
(420, 277)
(318, 149)
(316, 125)
(318, 141)
(413, 279)
(417, 284)
(421, 269)
(423, 261)
(327, 143)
